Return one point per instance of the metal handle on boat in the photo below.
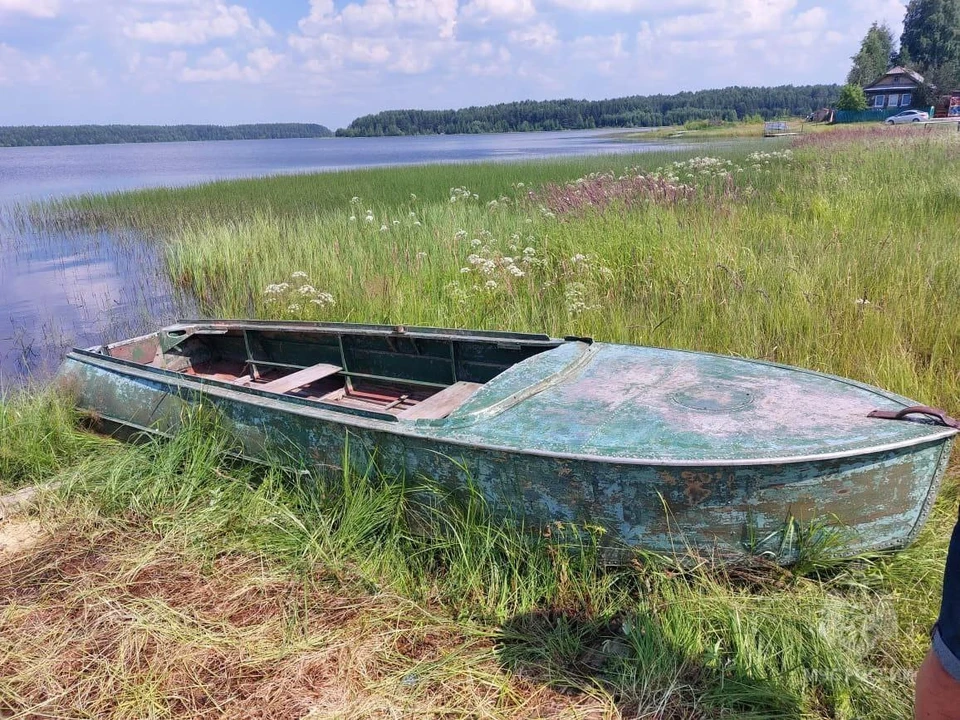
(917, 410)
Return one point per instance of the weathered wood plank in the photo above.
(301, 378)
(443, 403)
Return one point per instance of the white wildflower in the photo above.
(299, 275)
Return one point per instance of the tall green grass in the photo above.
(307, 195)
(645, 638)
(842, 260)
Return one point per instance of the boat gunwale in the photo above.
(531, 339)
(391, 424)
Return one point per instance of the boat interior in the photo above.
(407, 373)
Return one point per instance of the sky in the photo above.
(329, 61)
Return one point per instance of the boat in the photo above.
(665, 450)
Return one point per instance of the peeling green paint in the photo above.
(663, 449)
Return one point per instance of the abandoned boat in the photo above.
(663, 449)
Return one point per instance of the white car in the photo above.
(908, 116)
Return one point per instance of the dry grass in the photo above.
(106, 619)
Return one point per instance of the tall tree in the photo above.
(902, 58)
(874, 56)
(931, 32)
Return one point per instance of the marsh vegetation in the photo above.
(166, 580)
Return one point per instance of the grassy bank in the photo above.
(705, 131)
(163, 580)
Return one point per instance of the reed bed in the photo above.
(840, 259)
(167, 581)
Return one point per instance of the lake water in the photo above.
(32, 173)
(59, 290)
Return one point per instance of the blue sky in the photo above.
(328, 61)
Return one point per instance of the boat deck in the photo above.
(325, 383)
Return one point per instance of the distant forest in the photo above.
(23, 135)
(727, 104)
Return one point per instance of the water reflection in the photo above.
(63, 290)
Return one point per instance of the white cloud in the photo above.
(263, 60)
(507, 10)
(18, 68)
(399, 36)
(630, 6)
(541, 36)
(890, 12)
(488, 61)
(730, 18)
(322, 13)
(31, 8)
(219, 66)
(382, 17)
(604, 54)
(813, 19)
(199, 24)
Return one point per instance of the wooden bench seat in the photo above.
(441, 404)
(300, 378)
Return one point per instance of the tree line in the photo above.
(23, 135)
(929, 45)
(727, 104)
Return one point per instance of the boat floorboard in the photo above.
(443, 403)
(322, 383)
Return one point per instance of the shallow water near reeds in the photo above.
(77, 289)
(62, 289)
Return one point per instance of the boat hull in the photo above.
(876, 500)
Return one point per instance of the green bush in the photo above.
(853, 98)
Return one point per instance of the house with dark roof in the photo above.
(897, 88)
